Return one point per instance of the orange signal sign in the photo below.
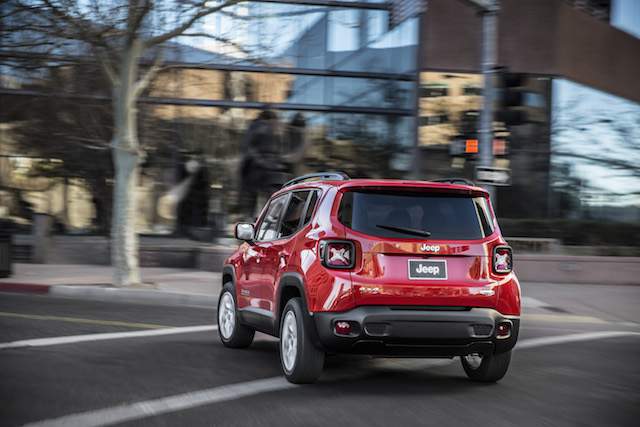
(471, 146)
(499, 147)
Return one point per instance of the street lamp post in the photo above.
(489, 10)
(489, 47)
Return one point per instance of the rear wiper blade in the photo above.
(405, 230)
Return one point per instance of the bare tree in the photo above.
(581, 137)
(121, 35)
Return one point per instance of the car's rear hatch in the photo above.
(419, 247)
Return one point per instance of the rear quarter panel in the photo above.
(326, 290)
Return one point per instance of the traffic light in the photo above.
(465, 143)
(510, 98)
(520, 98)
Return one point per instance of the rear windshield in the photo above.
(415, 215)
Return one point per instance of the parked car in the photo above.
(379, 267)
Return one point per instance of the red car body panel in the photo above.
(379, 277)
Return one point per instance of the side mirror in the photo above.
(244, 231)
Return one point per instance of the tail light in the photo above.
(346, 328)
(502, 260)
(503, 330)
(339, 254)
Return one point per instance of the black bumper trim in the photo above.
(416, 333)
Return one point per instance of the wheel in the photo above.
(301, 361)
(231, 332)
(487, 368)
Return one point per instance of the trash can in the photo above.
(6, 250)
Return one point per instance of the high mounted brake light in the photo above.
(502, 260)
(338, 254)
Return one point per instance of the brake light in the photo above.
(502, 260)
(338, 254)
(503, 330)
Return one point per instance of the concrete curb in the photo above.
(24, 287)
(597, 270)
(110, 294)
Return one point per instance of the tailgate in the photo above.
(420, 249)
(454, 276)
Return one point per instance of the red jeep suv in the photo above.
(380, 267)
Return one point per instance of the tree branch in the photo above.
(142, 84)
(107, 67)
(224, 40)
(614, 163)
(180, 29)
(57, 21)
(136, 15)
(78, 23)
(273, 15)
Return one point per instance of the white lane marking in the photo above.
(150, 408)
(631, 324)
(179, 402)
(40, 342)
(562, 318)
(530, 302)
(563, 339)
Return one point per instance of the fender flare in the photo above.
(229, 270)
(295, 280)
(288, 280)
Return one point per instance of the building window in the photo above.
(594, 155)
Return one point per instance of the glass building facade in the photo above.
(342, 89)
(448, 137)
(336, 79)
(595, 156)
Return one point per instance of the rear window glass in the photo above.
(410, 214)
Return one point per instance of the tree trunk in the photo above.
(126, 158)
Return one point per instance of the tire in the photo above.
(305, 365)
(491, 369)
(233, 334)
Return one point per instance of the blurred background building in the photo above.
(373, 88)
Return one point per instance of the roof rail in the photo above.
(462, 181)
(336, 176)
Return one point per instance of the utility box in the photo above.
(41, 232)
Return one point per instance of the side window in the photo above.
(294, 213)
(484, 215)
(311, 207)
(268, 229)
(345, 213)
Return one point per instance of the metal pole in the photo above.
(489, 47)
(415, 162)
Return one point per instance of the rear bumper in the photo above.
(410, 332)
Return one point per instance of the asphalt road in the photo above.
(189, 378)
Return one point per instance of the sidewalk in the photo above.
(173, 286)
(168, 286)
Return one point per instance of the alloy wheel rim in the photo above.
(289, 341)
(226, 316)
(474, 360)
